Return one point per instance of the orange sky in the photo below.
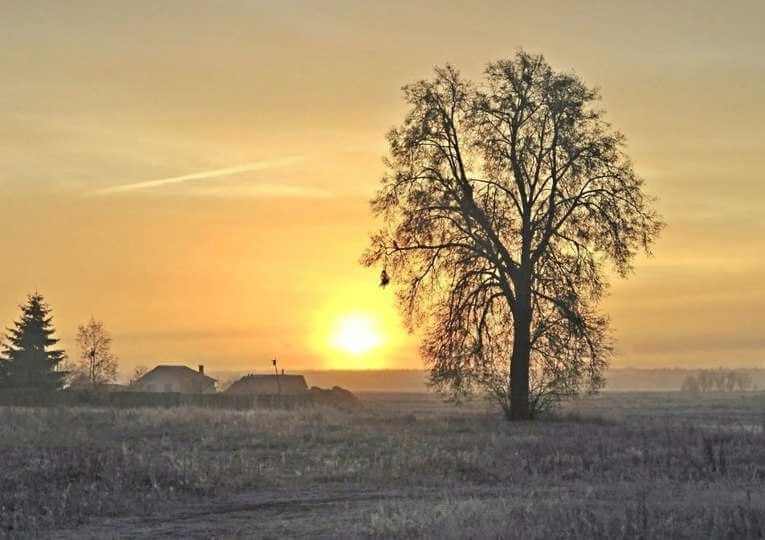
(196, 173)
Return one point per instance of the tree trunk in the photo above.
(519, 363)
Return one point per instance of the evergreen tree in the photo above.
(28, 360)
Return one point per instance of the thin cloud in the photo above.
(203, 175)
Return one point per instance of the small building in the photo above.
(179, 379)
(270, 385)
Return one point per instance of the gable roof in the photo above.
(269, 385)
(178, 372)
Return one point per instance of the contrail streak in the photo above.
(203, 175)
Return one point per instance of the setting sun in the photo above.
(356, 334)
(297, 264)
(358, 328)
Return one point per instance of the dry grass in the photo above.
(629, 465)
(504, 517)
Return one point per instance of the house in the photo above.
(179, 379)
(270, 385)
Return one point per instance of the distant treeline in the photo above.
(673, 379)
(719, 380)
(414, 380)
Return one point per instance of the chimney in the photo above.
(201, 369)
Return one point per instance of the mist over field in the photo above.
(413, 380)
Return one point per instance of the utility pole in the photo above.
(278, 382)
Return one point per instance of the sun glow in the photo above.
(356, 334)
(356, 327)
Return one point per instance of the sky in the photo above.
(196, 174)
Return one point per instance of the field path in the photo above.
(316, 512)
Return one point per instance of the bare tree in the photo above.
(503, 203)
(97, 364)
(138, 372)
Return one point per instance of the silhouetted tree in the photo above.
(503, 203)
(138, 372)
(28, 360)
(97, 364)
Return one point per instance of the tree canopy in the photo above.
(28, 359)
(503, 204)
(97, 365)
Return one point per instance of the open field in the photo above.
(646, 465)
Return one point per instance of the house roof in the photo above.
(269, 385)
(178, 372)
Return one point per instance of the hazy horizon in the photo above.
(196, 175)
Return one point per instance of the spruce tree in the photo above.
(28, 360)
